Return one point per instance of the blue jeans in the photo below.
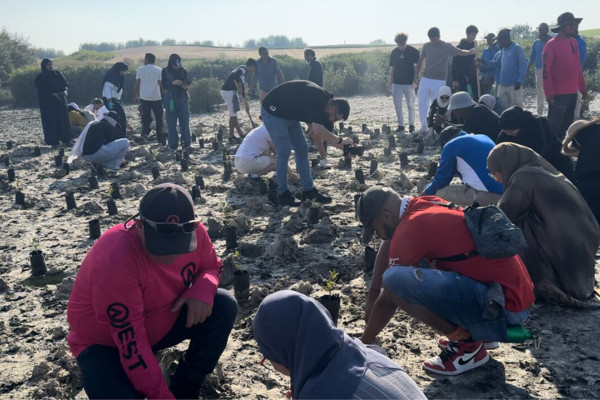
(287, 135)
(454, 297)
(110, 155)
(181, 112)
(103, 375)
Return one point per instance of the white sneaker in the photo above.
(325, 163)
(422, 130)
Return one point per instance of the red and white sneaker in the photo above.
(458, 357)
(443, 343)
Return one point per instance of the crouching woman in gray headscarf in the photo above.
(296, 334)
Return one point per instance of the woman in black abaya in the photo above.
(52, 97)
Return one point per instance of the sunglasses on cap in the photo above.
(168, 228)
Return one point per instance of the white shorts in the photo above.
(252, 165)
(232, 101)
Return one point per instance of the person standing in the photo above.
(52, 97)
(488, 72)
(176, 101)
(562, 74)
(267, 73)
(145, 285)
(282, 111)
(402, 79)
(315, 69)
(513, 68)
(232, 90)
(434, 56)
(148, 89)
(112, 90)
(536, 59)
(464, 71)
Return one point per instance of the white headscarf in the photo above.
(444, 91)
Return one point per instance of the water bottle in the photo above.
(518, 334)
(171, 105)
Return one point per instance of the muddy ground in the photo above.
(278, 248)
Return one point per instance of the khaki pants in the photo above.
(465, 195)
(541, 97)
(511, 97)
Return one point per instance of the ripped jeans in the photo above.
(454, 297)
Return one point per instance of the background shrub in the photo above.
(205, 94)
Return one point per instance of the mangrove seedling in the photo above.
(331, 281)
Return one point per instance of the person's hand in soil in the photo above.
(344, 142)
(197, 311)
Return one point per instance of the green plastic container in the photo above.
(518, 334)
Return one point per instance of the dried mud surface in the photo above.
(278, 248)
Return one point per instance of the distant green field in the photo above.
(590, 32)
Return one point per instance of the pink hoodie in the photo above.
(121, 298)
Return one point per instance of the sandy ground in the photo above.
(277, 247)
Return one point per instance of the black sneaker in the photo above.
(314, 195)
(287, 199)
(411, 128)
(400, 128)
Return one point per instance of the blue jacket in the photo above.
(513, 65)
(488, 55)
(536, 52)
(465, 155)
(582, 48)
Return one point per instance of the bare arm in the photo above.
(137, 89)
(419, 69)
(161, 87)
(240, 90)
(252, 81)
(381, 264)
(280, 77)
(322, 133)
(383, 310)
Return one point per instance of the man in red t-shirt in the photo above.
(468, 298)
(146, 285)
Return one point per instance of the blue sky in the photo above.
(65, 24)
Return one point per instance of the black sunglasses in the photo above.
(168, 228)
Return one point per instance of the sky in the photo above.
(66, 24)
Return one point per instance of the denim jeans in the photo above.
(452, 296)
(103, 376)
(181, 112)
(110, 155)
(287, 135)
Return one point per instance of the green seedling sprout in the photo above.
(154, 153)
(111, 189)
(330, 284)
(17, 183)
(67, 187)
(237, 260)
(35, 242)
(314, 202)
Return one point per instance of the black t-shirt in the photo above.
(237, 75)
(298, 101)
(404, 62)
(482, 121)
(463, 65)
(99, 133)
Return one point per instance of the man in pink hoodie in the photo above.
(146, 285)
(562, 74)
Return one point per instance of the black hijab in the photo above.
(44, 63)
(515, 118)
(113, 75)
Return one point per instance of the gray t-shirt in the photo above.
(436, 59)
(267, 72)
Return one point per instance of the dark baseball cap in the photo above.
(490, 36)
(369, 206)
(163, 210)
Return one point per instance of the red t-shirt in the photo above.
(561, 69)
(430, 231)
(121, 298)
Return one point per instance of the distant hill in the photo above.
(590, 32)
(201, 52)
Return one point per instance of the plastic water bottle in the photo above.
(171, 105)
(518, 334)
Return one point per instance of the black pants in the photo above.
(147, 107)
(103, 375)
(561, 113)
(469, 78)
